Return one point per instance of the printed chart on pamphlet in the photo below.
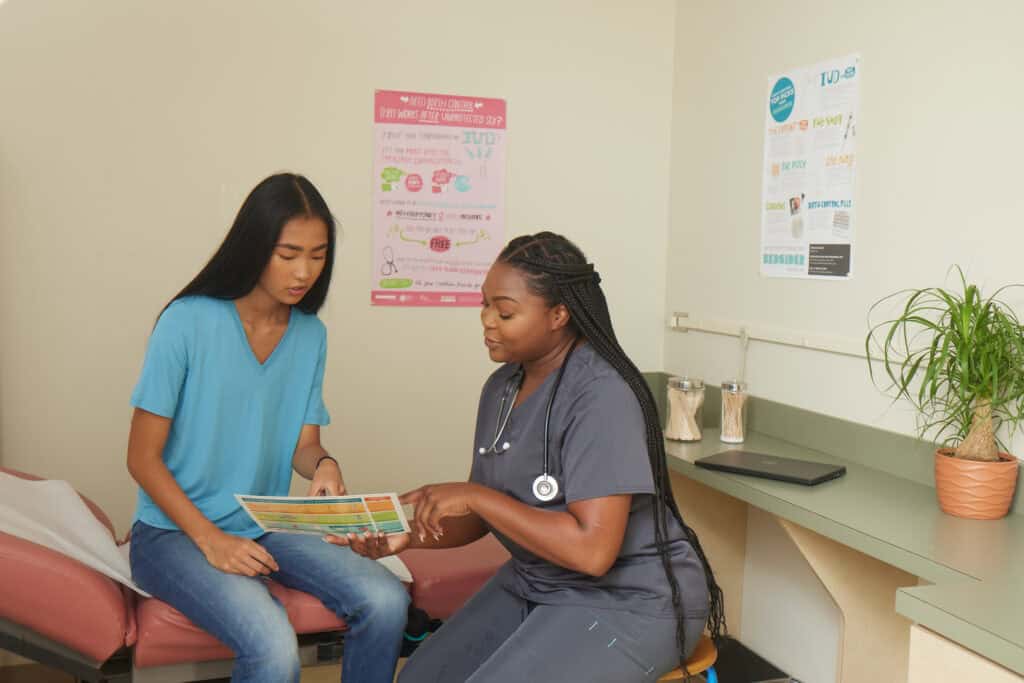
(438, 197)
(810, 155)
(322, 515)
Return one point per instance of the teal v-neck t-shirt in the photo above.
(235, 422)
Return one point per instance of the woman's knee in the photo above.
(389, 599)
(385, 605)
(265, 631)
(278, 663)
(269, 648)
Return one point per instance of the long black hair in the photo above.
(236, 266)
(557, 270)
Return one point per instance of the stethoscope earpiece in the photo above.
(499, 428)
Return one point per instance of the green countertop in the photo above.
(976, 601)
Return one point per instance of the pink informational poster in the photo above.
(438, 199)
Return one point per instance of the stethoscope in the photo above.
(545, 487)
(388, 267)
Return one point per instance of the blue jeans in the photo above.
(241, 612)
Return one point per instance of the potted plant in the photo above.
(958, 357)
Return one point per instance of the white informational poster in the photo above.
(438, 199)
(810, 154)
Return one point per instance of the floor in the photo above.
(32, 673)
(36, 673)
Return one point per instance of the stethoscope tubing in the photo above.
(512, 389)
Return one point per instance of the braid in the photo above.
(557, 270)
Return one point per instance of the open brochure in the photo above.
(323, 515)
(51, 514)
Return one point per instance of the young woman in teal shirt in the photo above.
(230, 401)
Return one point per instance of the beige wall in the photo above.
(130, 132)
(939, 182)
(781, 586)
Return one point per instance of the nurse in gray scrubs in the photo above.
(606, 582)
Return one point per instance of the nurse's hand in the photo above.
(327, 480)
(434, 502)
(236, 555)
(372, 545)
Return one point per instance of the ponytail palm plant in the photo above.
(958, 357)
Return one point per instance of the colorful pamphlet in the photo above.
(323, 515)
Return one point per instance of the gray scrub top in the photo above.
(598, 448)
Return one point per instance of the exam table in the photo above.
(59, 612)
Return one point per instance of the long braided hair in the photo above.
(557, 270)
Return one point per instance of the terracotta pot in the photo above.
(975, 489)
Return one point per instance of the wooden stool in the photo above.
(701, 661)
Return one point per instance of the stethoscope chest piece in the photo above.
(545, 488)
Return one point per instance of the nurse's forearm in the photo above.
(586, 538)
(458, 531)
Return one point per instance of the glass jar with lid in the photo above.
(685, 409)
(734, 412)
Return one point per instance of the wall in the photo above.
(779, 586)
(938, 183)
(938, 179)
(130, 133)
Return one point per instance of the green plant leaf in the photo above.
(945, 351)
